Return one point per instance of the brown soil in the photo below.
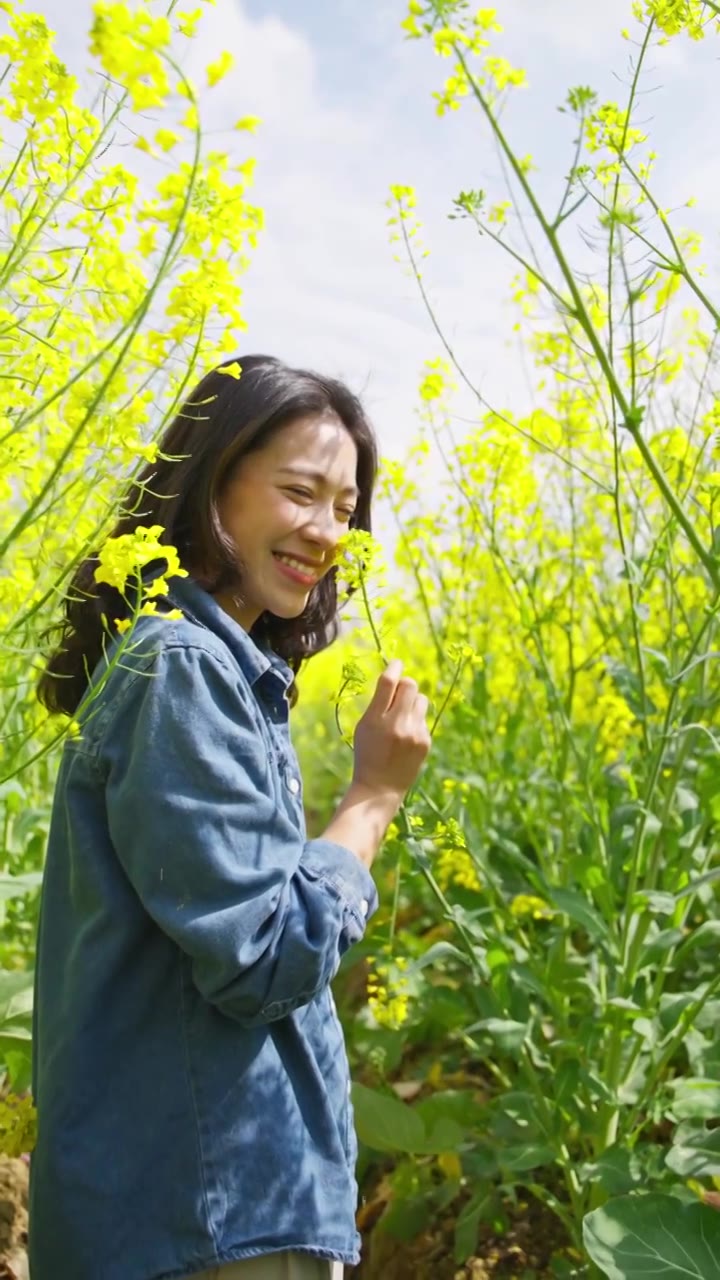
(13, 1219)
(534, 1239)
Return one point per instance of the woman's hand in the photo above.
(392, 739)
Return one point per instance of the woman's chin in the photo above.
(286, 609)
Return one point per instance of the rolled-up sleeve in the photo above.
(263, 914)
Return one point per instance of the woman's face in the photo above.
(285, 507)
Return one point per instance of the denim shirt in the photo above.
(190, 1072)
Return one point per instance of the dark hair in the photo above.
(224, 419)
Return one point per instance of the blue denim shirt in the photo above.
(190, 1073)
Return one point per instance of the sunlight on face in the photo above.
(285, 507)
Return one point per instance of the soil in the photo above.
(527, 1249)
(13, 1219)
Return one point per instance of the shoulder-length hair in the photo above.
(225, 419)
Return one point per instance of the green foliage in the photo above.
(552, 887)
(651, 1236)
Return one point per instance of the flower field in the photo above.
(532, 1018)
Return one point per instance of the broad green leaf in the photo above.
(649, 1237)
(619, 1170)
(507, 1035)
(514, 1117)
(385, 1123)
(695, 1098)
(16, 995)
(616, 1171)
(695, 1152)
(459, 1105)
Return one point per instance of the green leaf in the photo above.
(386, 1124)
(437, 952)
(659, 944)
(18, 1064)
(656, 901)
(525, 1155)
(18, 886)
(16, 995)
(468, 1223)
(459, 1105)
(643, 1237)
(695, 1152)
(577, 907)
(706, 935)
(566, 1081)
(506, 1034)
(616, 1171)
(404, 1219)
(695, 1098)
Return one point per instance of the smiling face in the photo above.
(285, 507)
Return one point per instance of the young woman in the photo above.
(191, 1079)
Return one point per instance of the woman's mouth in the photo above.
(295, 570)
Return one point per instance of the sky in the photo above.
(346, 107)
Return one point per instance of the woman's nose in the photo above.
(324, 528)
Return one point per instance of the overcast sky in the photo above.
(346, 105)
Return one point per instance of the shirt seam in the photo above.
(123, 694)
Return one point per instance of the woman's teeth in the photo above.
(298, 565)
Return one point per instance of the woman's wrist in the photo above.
(361, 820)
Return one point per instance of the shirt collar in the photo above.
(199, 606)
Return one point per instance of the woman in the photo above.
(191, 1079)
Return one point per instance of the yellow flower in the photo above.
(248, 124)
(387, 990)
(166, 139)
(123, 558)
(148, 609)
(216, 70)
(358, 555)
(526, 904)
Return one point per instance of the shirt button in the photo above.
(364, 906)
(294, 786)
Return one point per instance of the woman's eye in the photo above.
(301, 493)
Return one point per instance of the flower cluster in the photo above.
(388, 990)
(358, 556)
(454, 864)
(121, 562)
